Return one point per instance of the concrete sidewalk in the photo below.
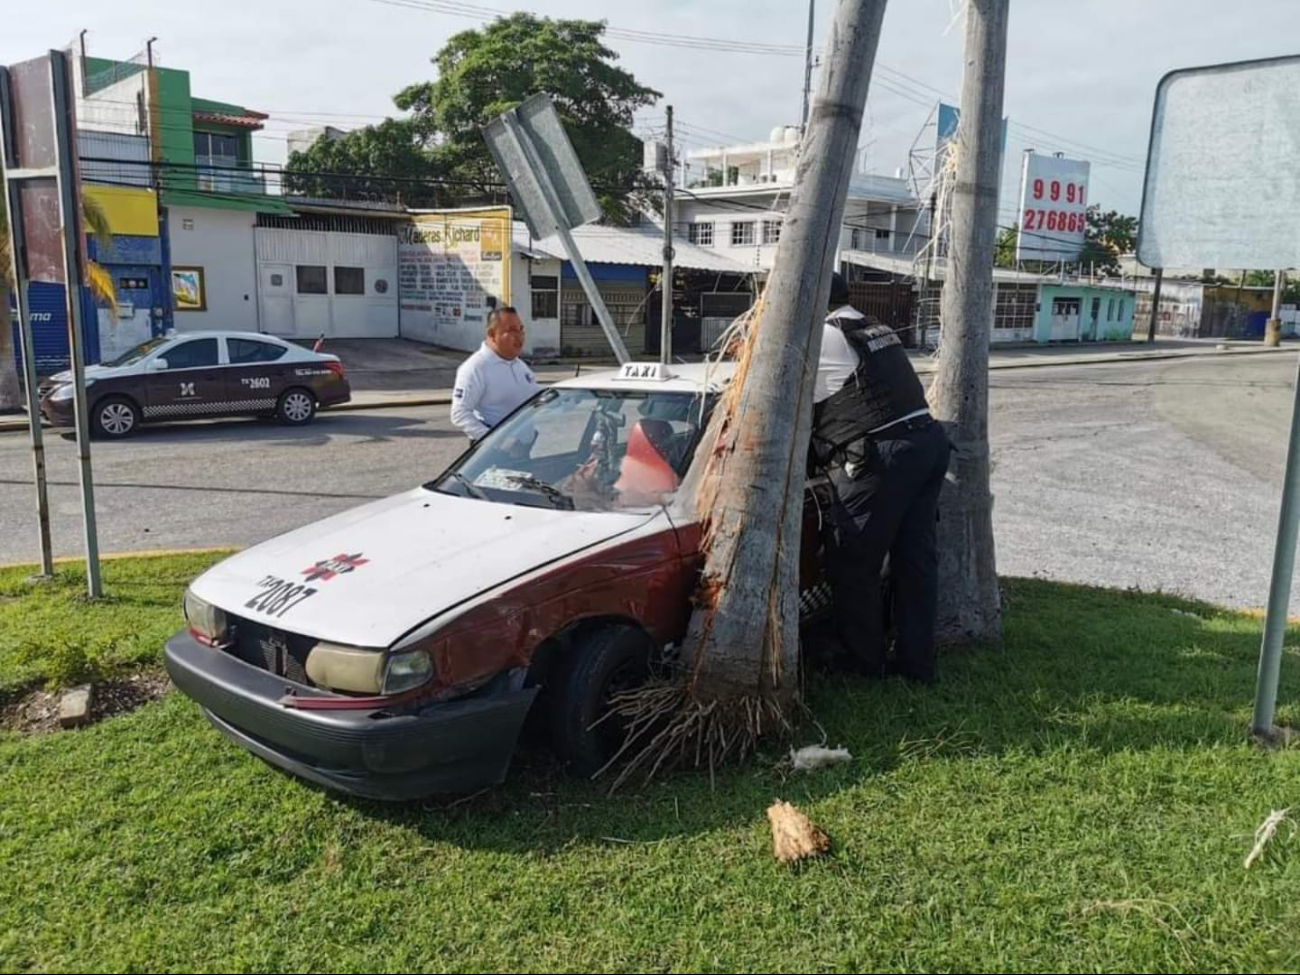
(406, 374)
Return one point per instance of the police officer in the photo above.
(886, 459)
(492, 382)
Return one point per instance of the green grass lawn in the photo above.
(1081, 800)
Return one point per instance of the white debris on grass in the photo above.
(818, 756)
(1267, 830)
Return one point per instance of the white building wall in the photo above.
(864, 216)
(541, 335)
(122, 108)
(221, 243)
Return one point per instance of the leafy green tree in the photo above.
(387, 161)
(1110, 235)
(484, 72)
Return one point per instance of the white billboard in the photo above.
(1221, 186)
(1053, 208)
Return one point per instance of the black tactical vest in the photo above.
(884, 387)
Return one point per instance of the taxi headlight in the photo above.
(348, 669)
(407, 670)
(62, 393)
(207, 622)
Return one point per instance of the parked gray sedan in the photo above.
(196, 375)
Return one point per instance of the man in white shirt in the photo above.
(494, 381)
(886, 459)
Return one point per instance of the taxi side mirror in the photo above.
(157, 365)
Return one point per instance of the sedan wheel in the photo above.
(115, 417)
(296, 406)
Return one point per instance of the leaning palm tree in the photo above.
(95, 219)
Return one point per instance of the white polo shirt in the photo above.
(488, 388)
(838, 360)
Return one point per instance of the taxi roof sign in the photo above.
(656, 371)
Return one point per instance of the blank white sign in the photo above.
(1223, 173)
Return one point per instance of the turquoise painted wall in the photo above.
(1114, 319)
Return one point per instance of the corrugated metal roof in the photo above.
(641, 246)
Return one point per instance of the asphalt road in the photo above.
(1161, 475)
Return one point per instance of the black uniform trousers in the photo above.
(887, 506)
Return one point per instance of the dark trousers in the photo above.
(888, 507)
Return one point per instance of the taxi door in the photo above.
(192, 384)
(257, 374)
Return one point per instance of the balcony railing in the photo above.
(221, 174)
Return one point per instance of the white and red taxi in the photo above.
(402, 647)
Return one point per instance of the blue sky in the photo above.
(1081, 75)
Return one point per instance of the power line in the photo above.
(898, 85)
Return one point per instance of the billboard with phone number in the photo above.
(1053, 208)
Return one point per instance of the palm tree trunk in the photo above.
(969, 601)
(743, 642)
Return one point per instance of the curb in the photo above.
(149, 553)
(928, 365)
(923, 367)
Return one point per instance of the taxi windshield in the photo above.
(132, 356)
(585, 450)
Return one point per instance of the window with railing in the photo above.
(219, 169)
(1015, 307)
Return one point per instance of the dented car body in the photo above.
(401, 648)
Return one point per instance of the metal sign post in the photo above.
(42, 192)
(74, 262)
(18, 274)
(1222, 195)
(537, 160)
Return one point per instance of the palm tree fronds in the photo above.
(100, 283)
(95, 219)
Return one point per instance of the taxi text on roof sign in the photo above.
(645, 370)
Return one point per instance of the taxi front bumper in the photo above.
(452, 746)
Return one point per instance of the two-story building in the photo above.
(734, 198)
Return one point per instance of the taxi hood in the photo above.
(383, 568)
(96, 371)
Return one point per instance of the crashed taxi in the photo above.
(402, 648)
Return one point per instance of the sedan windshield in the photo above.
(585, 450)
(132, 356)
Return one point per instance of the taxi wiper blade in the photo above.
(561, 499)
(474, 490)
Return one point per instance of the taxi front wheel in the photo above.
(602, 664)
(296, 406)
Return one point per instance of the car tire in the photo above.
(114, 417)
(600, 664)
(296, 406)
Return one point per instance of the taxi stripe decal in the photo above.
(201, 409)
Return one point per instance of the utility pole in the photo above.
(807, 67)
(923, 317)
(969, 602)
(666, 282)
(1273, 334)
(1155, 306)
